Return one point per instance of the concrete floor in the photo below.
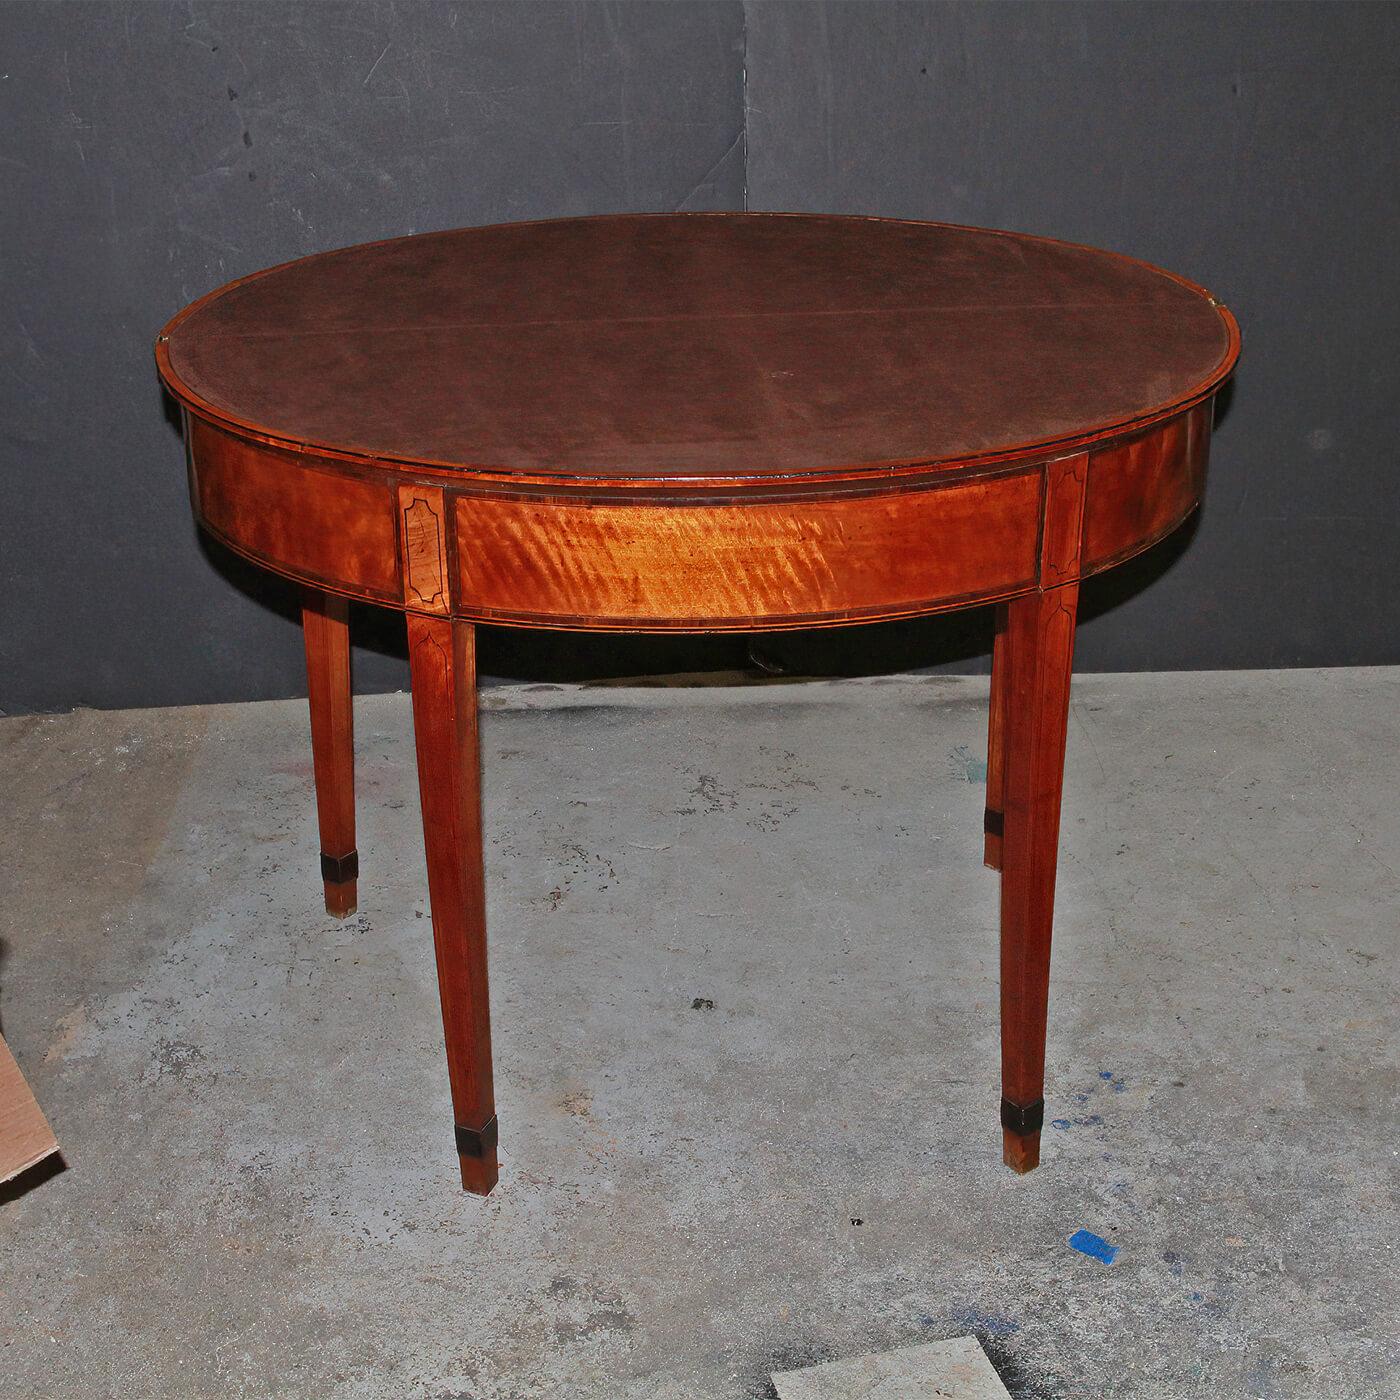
(260, 1200)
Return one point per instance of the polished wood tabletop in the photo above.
(697, 422)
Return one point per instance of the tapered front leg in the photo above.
(1039, 650)
(325, 626)
(442, 656)
(993, 821)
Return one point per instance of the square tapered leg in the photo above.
(326, 630)
(442, 656)
(1038, 645)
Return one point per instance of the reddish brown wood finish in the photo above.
(442, 655)
(326, 629)
(1062, 531)
(646, 564)
(298, 515)
(699, 423)
(701, 346)
(1039, 646)
(423, 530)
(1142, 489)
(681, 557)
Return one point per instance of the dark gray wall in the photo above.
(1250, 147)
(151, 151)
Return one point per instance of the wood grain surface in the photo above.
(697, 345)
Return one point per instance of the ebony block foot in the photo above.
(341, 877)
(1020, 1134)
(476, 1151)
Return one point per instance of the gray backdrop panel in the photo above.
(1252, 148)
(152, 151)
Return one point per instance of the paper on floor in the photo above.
(25, 1136)
(951, 1370)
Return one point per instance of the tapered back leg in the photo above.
(1039, 654)
(326, 630)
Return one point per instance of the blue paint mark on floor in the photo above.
(1086, 1242)
(967, 765)
(1106, 1076)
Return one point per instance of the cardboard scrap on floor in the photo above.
(25, 1135)
(952, 1370)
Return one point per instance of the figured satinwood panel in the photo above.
(313, 524)
(775, 562)
(423, 542)
(1142, 489)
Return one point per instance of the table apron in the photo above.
(652, 562)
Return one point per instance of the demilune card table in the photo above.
(696, 423)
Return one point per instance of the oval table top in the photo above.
(699, 346)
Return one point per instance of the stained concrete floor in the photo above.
(259, 1198)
